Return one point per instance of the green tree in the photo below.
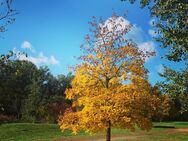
(164, 105)
(171, 24)
(176, 86)
(46, 97)
(30, 112)
(31, 93)
(34, 110)
(56, 102)
(15, 77)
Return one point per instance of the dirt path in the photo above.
(123, 137)
(119, 138)
(114, 138)
(177, 130)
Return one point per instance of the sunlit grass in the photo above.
(48, 132)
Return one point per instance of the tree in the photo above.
(176, 86)
(110, 88)
(32, 105)
(46, 98)
(15, 77)
(56, 103)
(34, 108)
(172, 25)
(164, 105)
(7, 14)
(30, 93)
(53, 100)
(15, 85)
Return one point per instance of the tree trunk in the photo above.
(108, 132)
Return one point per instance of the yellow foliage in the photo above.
(101, 95)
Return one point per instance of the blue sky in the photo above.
(51, 31)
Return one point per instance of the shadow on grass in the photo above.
(163, 126)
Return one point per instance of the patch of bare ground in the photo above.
(177, 130)
(114, 138)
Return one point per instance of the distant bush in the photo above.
(7, 118)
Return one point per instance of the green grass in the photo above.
(162, 134)
(175, 124)
(48, 132)
(29, 132)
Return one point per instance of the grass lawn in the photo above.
(50, 132)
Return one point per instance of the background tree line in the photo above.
(30, 93)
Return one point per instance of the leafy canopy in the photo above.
(176, 86)
(171, 23)
(110, 88)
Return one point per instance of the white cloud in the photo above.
(37, 60)
(121, 24)
(136, 34)
(22, 57)
(152, 22)
(152, 33)
(160, 68)
(116, 22)
(147, 47)
(40, 59)
(53, 60)
(26, 45)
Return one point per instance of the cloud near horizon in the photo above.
(26, 45)
(41, 59)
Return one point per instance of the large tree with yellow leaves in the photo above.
(110, 88)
